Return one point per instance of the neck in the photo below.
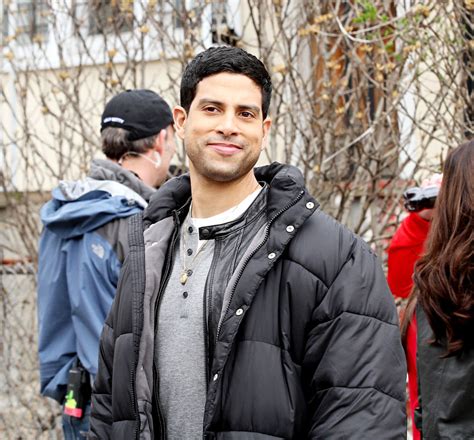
(212, 198)
(142, 169)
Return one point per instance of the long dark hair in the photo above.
(444, 275)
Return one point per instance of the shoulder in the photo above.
(323, 246)
(413, 231)
(116, 234)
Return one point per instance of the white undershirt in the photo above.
(227, 216)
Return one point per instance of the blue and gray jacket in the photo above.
(82, 247)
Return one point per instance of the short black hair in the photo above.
(225, 59)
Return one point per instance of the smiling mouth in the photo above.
(224, 148)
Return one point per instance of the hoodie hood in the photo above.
(83, 206)
(108, 170)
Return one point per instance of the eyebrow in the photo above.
(254, 108)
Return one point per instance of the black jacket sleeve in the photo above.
(102, 400)
(101, 413)
(354, 357)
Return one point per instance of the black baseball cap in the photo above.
(141, 112)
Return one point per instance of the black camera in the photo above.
(417, 199)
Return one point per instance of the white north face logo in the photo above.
(98, 249)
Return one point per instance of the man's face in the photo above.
(224, 130)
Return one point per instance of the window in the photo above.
(30, 19)
(110, 16)
(178, 7)
(223, 32)
(4, 12)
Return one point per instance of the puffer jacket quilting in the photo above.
(315, 352)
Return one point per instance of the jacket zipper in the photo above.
(206, 335)
(135, 404)
(158, 300)
(132, 378)
(250, 256)
(207, 313)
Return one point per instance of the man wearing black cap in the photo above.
(137, 134)
(84, 243)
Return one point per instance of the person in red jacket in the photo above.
(406, 247)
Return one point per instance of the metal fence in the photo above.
(24, 414)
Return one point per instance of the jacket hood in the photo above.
(83, 206)
(108, 170)
(285, 183)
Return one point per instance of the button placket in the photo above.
(186, 251)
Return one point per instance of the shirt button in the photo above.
(310, 205)
(271, 255)
(216, 376)
(189, 272)
(190, 229)
(290, 228)
(185, 294)
(238, 312)
(189, 251)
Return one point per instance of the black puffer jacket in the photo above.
(309, 348)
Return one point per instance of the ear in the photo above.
(180, 116)
(267, 123)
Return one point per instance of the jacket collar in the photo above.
(285, 183)
(249, 216)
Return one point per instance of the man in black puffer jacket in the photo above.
(243, 312)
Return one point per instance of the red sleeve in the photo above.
(405, 248)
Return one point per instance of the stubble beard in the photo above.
(221, 170)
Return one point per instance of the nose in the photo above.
(227, 125)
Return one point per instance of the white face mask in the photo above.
(156, 162)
